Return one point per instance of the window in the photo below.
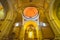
(1, 12)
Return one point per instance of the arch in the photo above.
(30, 23)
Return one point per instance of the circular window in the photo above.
(30, 12)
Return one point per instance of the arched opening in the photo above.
(31, 30)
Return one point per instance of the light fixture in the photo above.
(17, 24)
(44, 24)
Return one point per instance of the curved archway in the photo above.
(53, 15)
(30, 24)
(53, 19)
(6, 25)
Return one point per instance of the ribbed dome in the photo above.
(30, 12)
